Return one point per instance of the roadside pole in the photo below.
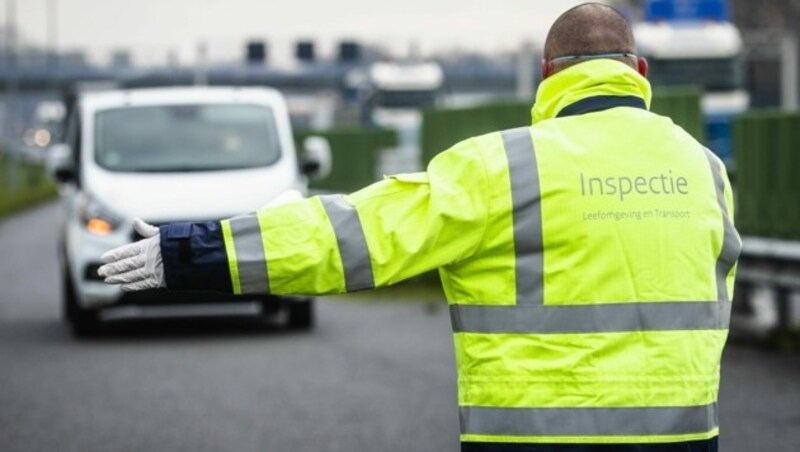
(789, 72)
(525, 65)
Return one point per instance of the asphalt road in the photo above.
(372, 376)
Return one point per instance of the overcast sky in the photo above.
(154, 27)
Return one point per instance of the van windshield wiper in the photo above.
(174, 169)
(189, 169)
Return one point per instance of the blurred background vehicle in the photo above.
(696, 44)
(392, 96)
(168, 155)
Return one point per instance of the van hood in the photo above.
(197, 196)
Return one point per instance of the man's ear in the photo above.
(643, 66)
(547, 69)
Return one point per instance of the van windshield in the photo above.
(177, 138)
(712, 74)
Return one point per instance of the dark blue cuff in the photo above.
(194, 257)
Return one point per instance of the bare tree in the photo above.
(772, 14)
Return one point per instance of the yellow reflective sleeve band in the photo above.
(250, 257)
(230, 250)
(351, 241)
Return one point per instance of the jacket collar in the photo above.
(591, 86)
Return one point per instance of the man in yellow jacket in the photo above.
(588, 260)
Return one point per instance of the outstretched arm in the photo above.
(397, 228)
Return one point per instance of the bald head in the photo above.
(589, 29)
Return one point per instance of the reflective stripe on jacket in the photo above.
(588, 262)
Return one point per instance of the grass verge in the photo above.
(22, 185)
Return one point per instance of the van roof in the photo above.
(100, 100)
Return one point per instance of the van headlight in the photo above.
(97, 218)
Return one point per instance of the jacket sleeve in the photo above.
(392, 230)
(734, 249)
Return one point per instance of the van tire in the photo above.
(300, 314)
(83, 322)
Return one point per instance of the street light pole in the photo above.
(52, 41)
(789, 71)
(11, 69)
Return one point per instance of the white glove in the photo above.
(137, 266)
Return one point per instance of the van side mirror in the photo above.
(316, 161)
(59, 163)
(64, 175)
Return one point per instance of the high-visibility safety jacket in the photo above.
(588, 262)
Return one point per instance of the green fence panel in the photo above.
(780, 215)
(444, 127)
(767, 154)
(355, 153)
(744, 135)
(684, 106)
(791, 198)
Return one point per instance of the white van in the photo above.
(167, 155)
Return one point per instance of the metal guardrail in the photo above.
(758, 247)
(771, 265)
